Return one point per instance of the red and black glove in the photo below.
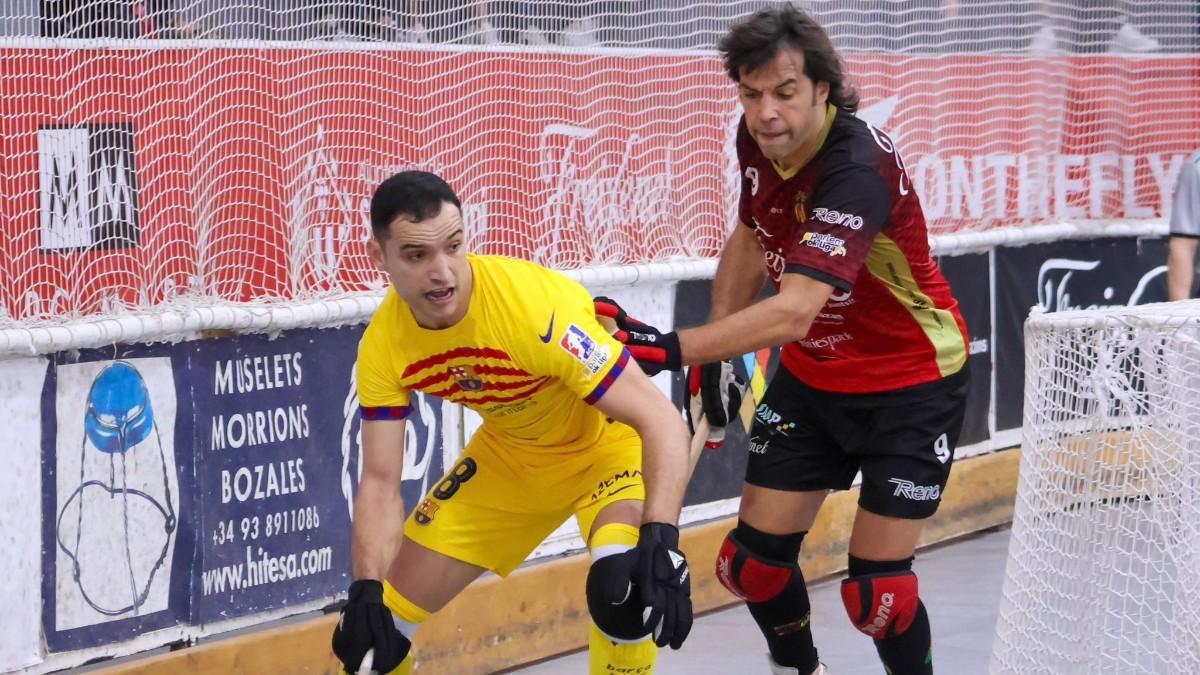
(654, 350)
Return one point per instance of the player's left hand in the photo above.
(366, 625)
(660, 574)
(654, 350)
(716, 391)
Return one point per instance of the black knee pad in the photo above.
(622, 621)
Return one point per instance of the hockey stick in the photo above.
(746, 412)
(697, 446)
(367, 667)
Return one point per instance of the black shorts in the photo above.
(903, 442)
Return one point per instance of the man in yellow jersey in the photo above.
(566, 414)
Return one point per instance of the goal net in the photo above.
(183, 158)
(1103, 572)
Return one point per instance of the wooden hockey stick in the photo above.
(367, 667)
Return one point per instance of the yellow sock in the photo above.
(403, 609)
(617, 535)
(606, 657)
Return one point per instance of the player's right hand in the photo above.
(660, 576)
(366, 623)
(716, 391)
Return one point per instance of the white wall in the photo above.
(21, 383)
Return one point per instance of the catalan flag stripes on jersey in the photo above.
(528, 356)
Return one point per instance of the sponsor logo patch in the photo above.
(839, 299)
(773, 419)
(88, 188)
(793, 626)
(829, 342)
(584, 349)
(829, 318)
(835, 217)
(917, 493)
(881, 614)
(621, 481)
(549, 331)
(825, 242)
(766, 415)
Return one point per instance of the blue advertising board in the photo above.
(118, 496)
(192, 483)
(273, 525)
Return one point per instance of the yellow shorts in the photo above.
(492, 509)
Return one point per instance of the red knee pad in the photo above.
(881, 605)
(748, 576)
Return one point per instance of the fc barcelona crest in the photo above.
(425, 511)
(466, 378)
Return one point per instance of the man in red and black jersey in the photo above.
(873, 375)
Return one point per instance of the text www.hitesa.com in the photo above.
(264, 569)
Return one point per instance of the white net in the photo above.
(1103, 572)
(159, 154)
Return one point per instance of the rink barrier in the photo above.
(539, 611)
(995, 289)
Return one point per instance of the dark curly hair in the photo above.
(755, 40)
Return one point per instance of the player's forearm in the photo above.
(664, 468)
(1181, 267)
(740, 274)
(769, 323)
(378, 528)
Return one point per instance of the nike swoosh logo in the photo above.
(549, 331)
(620, 489)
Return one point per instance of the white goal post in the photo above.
(1103, 571)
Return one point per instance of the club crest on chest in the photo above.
(466, 378)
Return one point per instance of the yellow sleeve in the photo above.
(380, 396)
(580, 353)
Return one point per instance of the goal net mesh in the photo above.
(160, 155)
(1103, 571)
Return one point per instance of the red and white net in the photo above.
(225, 152)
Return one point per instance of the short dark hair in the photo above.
(755, 40)
(414, 195)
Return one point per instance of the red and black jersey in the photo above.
(849, 217)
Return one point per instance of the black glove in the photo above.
(366, 623)
(715, 390)
(654, 350)
(660, 575)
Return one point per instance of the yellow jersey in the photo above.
(529, 356)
